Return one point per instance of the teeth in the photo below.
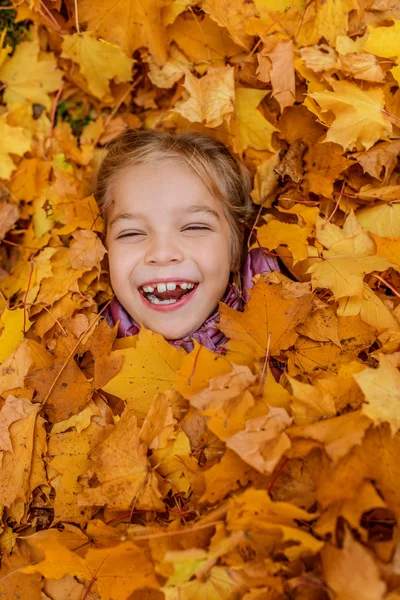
(155, 300)
(161, 287)
(187, 286)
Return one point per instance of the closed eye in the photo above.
(130, 234)
(135, 233)
(197, 227)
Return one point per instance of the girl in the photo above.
(175, 209)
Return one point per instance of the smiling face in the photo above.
(164, 224)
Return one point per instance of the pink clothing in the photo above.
(257, 261)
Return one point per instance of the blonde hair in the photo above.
(225, 176)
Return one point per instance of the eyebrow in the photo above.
(195, 208)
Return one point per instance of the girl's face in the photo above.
(165, 227)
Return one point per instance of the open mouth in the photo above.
(169, 293)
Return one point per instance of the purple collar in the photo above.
(208, 335)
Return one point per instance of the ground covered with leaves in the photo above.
(134, 470)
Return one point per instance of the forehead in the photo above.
(169, 180)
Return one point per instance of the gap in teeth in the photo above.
(162, 287)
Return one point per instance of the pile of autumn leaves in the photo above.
(131, 469)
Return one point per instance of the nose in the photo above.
(163, 248)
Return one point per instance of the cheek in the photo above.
(121, 261)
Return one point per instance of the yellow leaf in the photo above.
(324, 164)
(121, 466)
(232, 14)
(327, 19)
(365, 499)
(343, 275)
(269, 319)
(58, 559)
(263, 441)
(249, 126)
(266, 181)
(227, 475)
(383, 41)
(150, 367)
(13, 140)
(226, 401)
(198, 39)
(99, 61)
(120, 570)
(16, 464)
(351, 569)
(198, 367)
(30, 75)
(339, 434)
(212, 97)
(350, 255)
(12, 334)
(275, 233)
(67, 461)
(170, 462)
(87, 251)
(3, 51)
(321, 325)
(129, 24)
(381, 388)
(370, 308)
(310, 403)
(282, 74)
(254, 511)
(359, 120)
(382, 219)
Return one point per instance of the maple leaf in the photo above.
(254, 511)
(381, 388)
(364, 500)
(12, 331)
(382, 219)
(99, 61)
(359, 121)
(67, 461)
(212, 97)
(129, 24)
(263, 441)
(232, 15)
(384, 41)
(198, 40)
(369, 306)
(87, 251)
(227, 475)
(30, 75)
(249, 126)
(325, 19)
(63, 388)
(14, 140)
(269, 320)
(148, 368)
(350, 567)
(198, 368)
(335, 271)
(324, 163)
(17, 448)
(282, 73)
(121, 466)
(339, 435)
(276, 233)
(118, 570)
